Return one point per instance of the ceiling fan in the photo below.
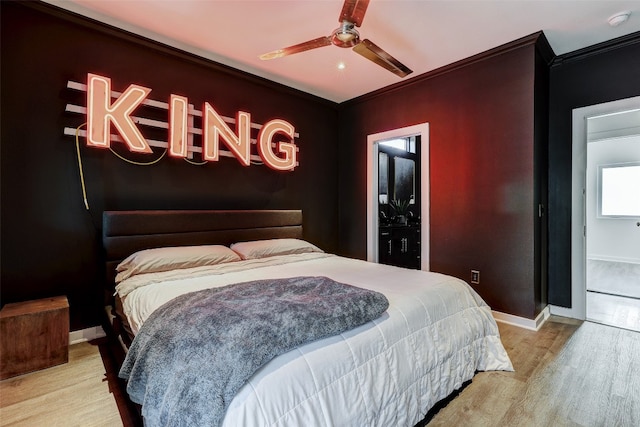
(347, 36)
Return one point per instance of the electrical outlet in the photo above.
(475, 277)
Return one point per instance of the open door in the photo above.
(373, 212)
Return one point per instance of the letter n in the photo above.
(215, 128)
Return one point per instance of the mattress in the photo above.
(436, 334)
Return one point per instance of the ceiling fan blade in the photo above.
(297, 48)
(373, 53)
(353, 11)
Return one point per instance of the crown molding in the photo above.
(497, 51)
(597, 49)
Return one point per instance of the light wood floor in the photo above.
(567, 374)
(84, 392)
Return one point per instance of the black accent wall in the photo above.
(598, 74)
(490, 117)
(50, 243)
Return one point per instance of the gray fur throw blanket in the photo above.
(194, 353)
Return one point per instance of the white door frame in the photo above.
(421, 129)
(578, 208)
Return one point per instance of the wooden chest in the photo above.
(33, 335)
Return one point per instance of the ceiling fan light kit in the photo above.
(346, 36)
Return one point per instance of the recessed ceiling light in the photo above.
(619, 18)
(341, 65)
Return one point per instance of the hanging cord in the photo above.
(139, 163)
(84, 189)
(195, 163)
(253, 162)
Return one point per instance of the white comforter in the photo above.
(435, 335)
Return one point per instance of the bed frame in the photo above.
(126, 232)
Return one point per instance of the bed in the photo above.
(431, 338)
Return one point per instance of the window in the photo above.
(619, 190)
(407, 144)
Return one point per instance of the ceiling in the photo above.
(422, 34)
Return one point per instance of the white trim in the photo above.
(87, 334)
(578, 308)
(627, 260)
(421, 129)
(522, 322)
(562, 311)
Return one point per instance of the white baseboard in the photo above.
(564, 312)
(628, 260)
(522, 322)
(87, 334)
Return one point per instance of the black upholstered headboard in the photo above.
(125, 232)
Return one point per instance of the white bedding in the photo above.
(435, 335)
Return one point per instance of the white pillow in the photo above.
(272, 247)
(172, 258)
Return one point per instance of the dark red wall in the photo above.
(50, 244)
(481, 124)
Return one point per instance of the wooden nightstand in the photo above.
(33, 335)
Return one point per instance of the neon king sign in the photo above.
(101, 113)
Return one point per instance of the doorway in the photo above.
(399, 196)
(579, 228)
(612, 211)
(420, 131)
